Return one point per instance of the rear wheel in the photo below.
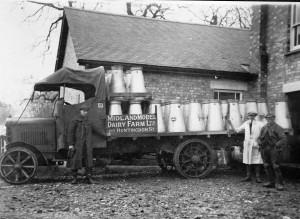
(194, 158)
(18, 165)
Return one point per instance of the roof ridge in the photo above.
(155, 20)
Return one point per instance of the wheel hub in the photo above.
(195, 158)
(18, 166)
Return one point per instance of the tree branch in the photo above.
(35, 13)
(53, 26)
(51, 5)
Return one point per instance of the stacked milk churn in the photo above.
(122, 84)
(190, 115)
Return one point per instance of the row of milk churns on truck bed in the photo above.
(210, 115)
(130, 81)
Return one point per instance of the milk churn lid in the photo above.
(205, 101)
(135, 101)
(134, 68)
(155, 101)
(194, 101)
(115, 102)
(251, 100)
(232, 101)
(261, 100)
(174, 101)
(117, 67)
(214, 101)
(224, 101)
(242, 102)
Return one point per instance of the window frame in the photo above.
(293, 27)
(228, 91)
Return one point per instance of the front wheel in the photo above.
(18, 165)
(194, 158)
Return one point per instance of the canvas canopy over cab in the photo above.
(91, 81)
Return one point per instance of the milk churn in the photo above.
(117, 80)
(163, 108)
(137, 83)
(214, 122)
(108, 75)
(156, 105)
(242, 108)
(115, 108)
(234, 114)
(262, 110)
(251, 106)
(224, 109)
(205, 111)
(195, 120)
(223, 157)
(185, 108)
(127, 79)
(135, 107)
(167, 113)
(236, 153)
(176, 121)
(282, 116)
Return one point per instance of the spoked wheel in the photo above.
(18, 165)
(165, 161)
(194, 159)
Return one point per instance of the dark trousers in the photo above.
(272, 158)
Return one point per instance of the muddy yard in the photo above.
(150, 194)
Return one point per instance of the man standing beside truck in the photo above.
(251, 152)
(80, 147)
(272, 140)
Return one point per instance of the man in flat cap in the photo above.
(272, 140)
(251, 152)
(79, 140)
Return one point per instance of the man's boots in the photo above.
(279, 179)
(89, 176)
(270, 183)
(90, 179)
(75, 179)
(257, 173)
(248, 177)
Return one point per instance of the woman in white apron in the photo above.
(251, 152)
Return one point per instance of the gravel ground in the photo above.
(150, 195)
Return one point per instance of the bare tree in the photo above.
(229, 16)
(152, 10)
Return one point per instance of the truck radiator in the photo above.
(35, 136)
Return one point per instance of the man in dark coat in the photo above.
(272, 140)
(79, 140)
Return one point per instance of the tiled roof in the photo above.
(127, 39)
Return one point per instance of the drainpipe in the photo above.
(263, 51)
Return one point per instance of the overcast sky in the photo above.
(21, 64)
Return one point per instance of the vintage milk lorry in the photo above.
(34, 142)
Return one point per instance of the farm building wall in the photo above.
(70, 59)
(283, 65)
(186, 87)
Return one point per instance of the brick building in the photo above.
(191, 60)
(275, 55)
(179, 59)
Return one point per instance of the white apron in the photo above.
(251, 153)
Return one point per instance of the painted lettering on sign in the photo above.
(131, 124)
